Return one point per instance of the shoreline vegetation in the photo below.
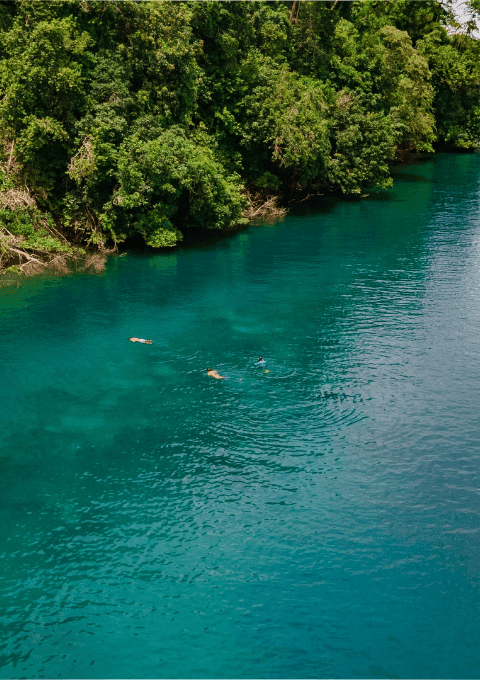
(146, 122)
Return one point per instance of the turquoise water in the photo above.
(318, 520)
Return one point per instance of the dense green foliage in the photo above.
(147, 118)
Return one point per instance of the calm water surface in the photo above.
(318, 520)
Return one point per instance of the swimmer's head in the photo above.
(208, 369)
(260, 359)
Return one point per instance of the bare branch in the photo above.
(261, 207)
(10, 157)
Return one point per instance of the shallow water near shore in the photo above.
(318, 520)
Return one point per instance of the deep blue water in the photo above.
(318, 520)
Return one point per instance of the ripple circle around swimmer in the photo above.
(318, 520)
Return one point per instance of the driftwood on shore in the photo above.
(29, 260)
(96, 261)
(16, 251)
(262, 207)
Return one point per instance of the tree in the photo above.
(171, 175)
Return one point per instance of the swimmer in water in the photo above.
(213, 373)
(261, 363)
(145, 342)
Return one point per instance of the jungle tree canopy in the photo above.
(147, 118)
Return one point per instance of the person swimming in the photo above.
(145, 342)
(261, 363)
(214, 374)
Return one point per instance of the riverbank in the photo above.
(144, 120)
(44, 248)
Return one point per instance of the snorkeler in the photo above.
(214, 374)
(145, 342)
(261, 363)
